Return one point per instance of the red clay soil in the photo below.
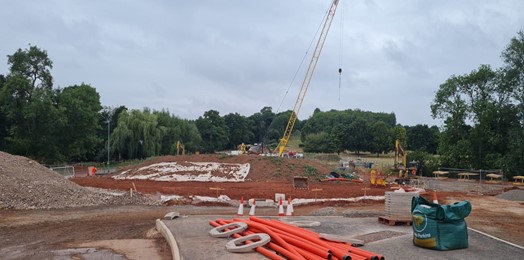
(234, 190)
(267, 176)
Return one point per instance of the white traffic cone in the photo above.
(435, 199)
(252, 209)
(240, 211)
(280, 209)
(289, 208)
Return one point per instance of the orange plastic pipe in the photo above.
(313, 238)
(305, 244)
(352, 255)
(271, 245)
(276, 237)
(356, 251)
(350, 249)
(261, 250)
(305, 249)
(303, 230)
(251, 230)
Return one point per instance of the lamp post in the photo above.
(108, 139)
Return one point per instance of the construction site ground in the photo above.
(128, 231)
(392, 242)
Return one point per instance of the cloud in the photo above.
(238, 57)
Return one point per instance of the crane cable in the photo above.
(296, 72)
(302, 62)
(341, 57)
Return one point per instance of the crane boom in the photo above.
(307, 79)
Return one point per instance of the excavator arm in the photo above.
(305, 84)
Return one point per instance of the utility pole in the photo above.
(108, 139)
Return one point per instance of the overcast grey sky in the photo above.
(240, 56)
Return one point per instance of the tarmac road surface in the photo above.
(393, 242)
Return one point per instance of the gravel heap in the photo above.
(26, 184)
(514, 195)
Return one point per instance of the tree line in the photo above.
(482, 112)
(69, 124)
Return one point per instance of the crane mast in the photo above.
(307, 79)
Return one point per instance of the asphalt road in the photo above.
(393, 242)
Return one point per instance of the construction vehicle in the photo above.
(307, 79)
(252, 148)
(180, 147)
(399, 153)
(406, 171)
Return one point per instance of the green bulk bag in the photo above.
(439, 227)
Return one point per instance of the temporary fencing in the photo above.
(292, 242)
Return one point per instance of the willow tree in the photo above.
(136, 135)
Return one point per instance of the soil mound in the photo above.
(26, 184)
(261, 169)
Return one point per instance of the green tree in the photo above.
(189, 135)
(476, 111)
(32, 64)
(107, 121)
(175, 129)
(79, 106)
(513, 78)
(398, 132)
(261, 124)
(380, 141)
(213, 130)
(337, 137)
(422, 138)
(28, 105)
(240, 129)
(4, 127)
(168, 126)
(318, 143)
(359, 136)
(136, 135)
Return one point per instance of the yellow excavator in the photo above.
(180, 147)
(406, 170)
(305, 84)
(400, 153)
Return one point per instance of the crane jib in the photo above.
(307, 79)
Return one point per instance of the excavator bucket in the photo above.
(300, 183)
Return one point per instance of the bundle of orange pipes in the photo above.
(291, 242)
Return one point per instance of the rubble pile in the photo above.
(26, 184)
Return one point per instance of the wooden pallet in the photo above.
(394, 221)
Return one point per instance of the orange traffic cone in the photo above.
(280, 209)
(240, 211)
(289, 209)
(435, 199)
(252, 209)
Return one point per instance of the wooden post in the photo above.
(316, 191)
(217, 189)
